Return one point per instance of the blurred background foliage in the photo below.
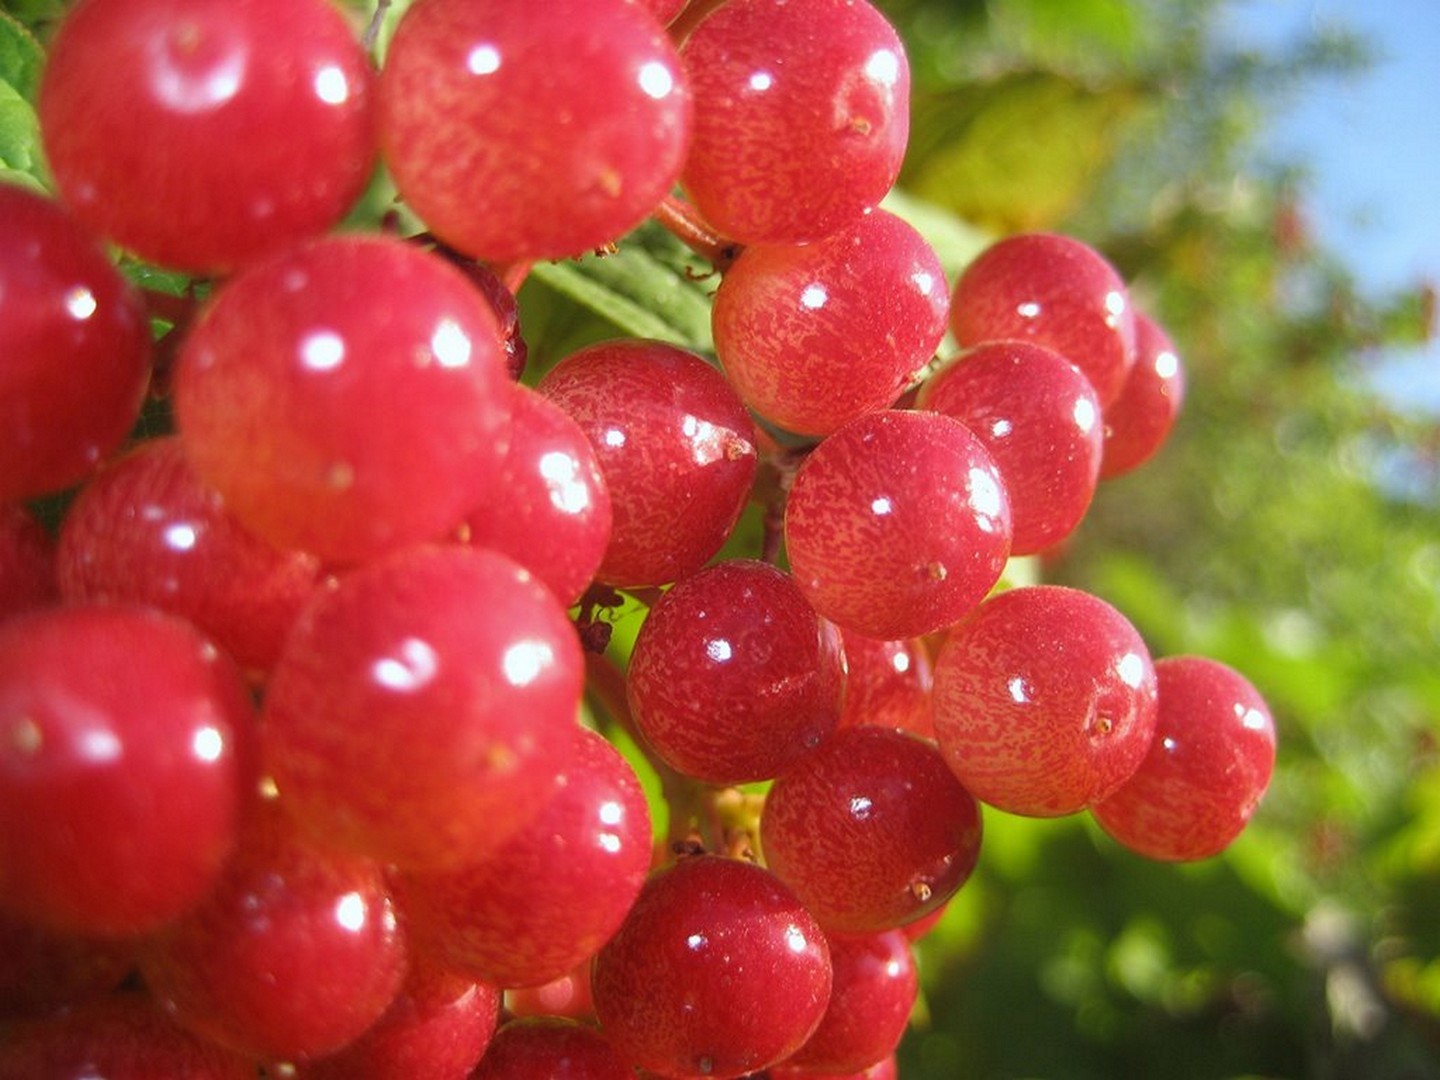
(1291, 527)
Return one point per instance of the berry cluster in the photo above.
(304, 704)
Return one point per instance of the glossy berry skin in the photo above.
(68, 320)
(590, 844)
(734, 676)
(802, 114)
(27, 562)
(1138, 422)
(553, 1048)
(1044, 700)
(871, 830)
(1054, 291)
(1208, 767)
(438, 1027)
(294, 954)
(125, 745)
(147, 530)
(124, 1037)
(874, 988)
(887, 684)
(154, 112)
(1039, 418)
(532, 131)
(550, 509)
(717, 972)
(812, 337)
(347, 398)
(897, 525)
(421, 705)
(675, 444)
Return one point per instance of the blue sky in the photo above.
(1373, 144)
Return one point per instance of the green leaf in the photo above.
(1020, 153)
(21, 57)
(652, 287)
(19, 133)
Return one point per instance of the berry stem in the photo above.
(685, 223)
(691, 16)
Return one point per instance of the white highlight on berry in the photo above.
(718, 649)
(1085, 415)
(180, 536)
(1028, 310)
(707, 440)
(814, 296)
(450, 344)
(208, 744)
(883, 67)
(412, 668)
(1000, 428)
(350, 912)
(696, 941)
(80, 303)
(881, 507)
(525, 661)
(331, 86)
(761, 81)
(191, 91)
(483, 60)
(99, 746)
(795, 939)
(924, 282)
(985, 497)
(323, 350)
(561, 473)
(656, 80)
(1131, 669)
(613, 437)
(1114, 307)
(1019, 690)
(860, 807)
(1250, 719)
(611, 813)
(1167, 364)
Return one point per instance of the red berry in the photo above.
(814, 336)
(1209, 766)
(871, 830)
(294, 954)
(518, 130)
(718, 971)
(898, 524)
(422, 704)
(147, 530)
(158, 119)
(675, 444)
(734, 676)
(1039, 418)
(67, 320)
(348, 398)
(1044, 700)
(802, 114)
(1138, 422)
(125, 749)
(1054, 291)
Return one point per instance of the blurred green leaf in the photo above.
(1018, 154)
(21, 57)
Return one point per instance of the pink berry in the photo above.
(1209, 766)
(1054, 291)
